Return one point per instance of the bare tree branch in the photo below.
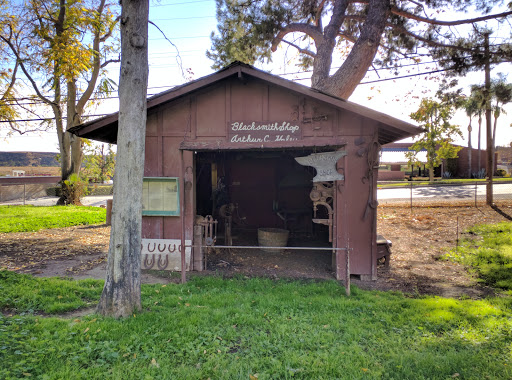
(178, 56)
(104, 64)
(11, 84)
(25, 71)
(96, 65)
(426, 40)
(310, 30)
(400, 12)
(301, 50)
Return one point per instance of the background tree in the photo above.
(99, 162)
(434, 117)
(8, 71)
(60, 46)
(121, 294)
(501, 93)
(477, 92)
(354, 31)
(472, 108)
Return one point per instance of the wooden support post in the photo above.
(182, 216)
(199, 261)
(108, 221)
(343, 269)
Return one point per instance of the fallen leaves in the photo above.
(70, 250)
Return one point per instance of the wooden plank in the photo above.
(322, 142)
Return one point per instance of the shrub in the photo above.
(73, 189)
(101, 190)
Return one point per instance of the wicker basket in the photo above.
(272, 237)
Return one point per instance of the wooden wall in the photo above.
(205, 116)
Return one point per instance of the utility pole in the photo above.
(490, 145)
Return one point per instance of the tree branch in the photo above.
(96, 65)
(111, 30)
(426, 40)
(11, 84)
(301, 50)
(178, 56)
(104, 64)
(25, 71)
(318, 15)
(310, 30)
(419, 38)
(400, 12)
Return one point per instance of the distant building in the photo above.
(18, 173)
(394, 164)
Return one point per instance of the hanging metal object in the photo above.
(325, 165)
(322, 192)
(322, 195)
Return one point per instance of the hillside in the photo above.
(28, 159)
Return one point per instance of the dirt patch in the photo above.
(55, 252)
(419, 238)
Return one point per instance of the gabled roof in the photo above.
(390, 128)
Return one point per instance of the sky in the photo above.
(189, 23)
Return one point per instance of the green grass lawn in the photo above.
(35, 218)
(252, 328)
(487, 250)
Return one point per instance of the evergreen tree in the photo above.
(361, 33)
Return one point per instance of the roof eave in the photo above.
(397, 129)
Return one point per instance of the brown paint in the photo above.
(197, 119)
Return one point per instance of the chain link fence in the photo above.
(410, 194)
(26, 193)
(43, 194)
(443, 194)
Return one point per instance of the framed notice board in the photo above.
(160, 196)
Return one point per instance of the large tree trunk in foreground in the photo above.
(121, 294)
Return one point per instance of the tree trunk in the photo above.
(121, 294)
(74, 119)
(470, 148)
(431, 156)
(345, 80)
(71, 151)
(479, 142)
(494, 132)
(490, 153)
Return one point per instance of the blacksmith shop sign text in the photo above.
(254, 132)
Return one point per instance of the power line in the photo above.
(186, 2)
(298, 79)
(405, 76)
(48, 118)
(182, 18)
(178, 38)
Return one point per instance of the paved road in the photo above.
(444, 192)
(424, 193)
(97, 200)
